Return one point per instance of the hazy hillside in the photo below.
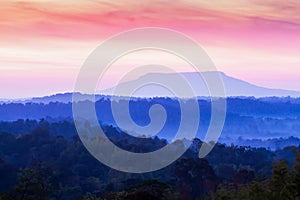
(246, 117)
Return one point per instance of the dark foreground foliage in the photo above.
(40, 165)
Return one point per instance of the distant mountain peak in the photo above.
(233, 86)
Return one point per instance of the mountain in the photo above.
(232, 86)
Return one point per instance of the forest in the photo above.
(248, 120)
(41, 162)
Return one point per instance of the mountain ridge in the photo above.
(234, 87)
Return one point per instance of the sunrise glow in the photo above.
(44, 43)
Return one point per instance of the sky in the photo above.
(43, 43)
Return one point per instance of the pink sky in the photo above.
(43, 43)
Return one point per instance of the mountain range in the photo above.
(233, 88)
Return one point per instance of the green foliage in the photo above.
(65, 170)
(147, 190)
(297, 173)
(284, 184)
(31, 185)
(280, 185)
